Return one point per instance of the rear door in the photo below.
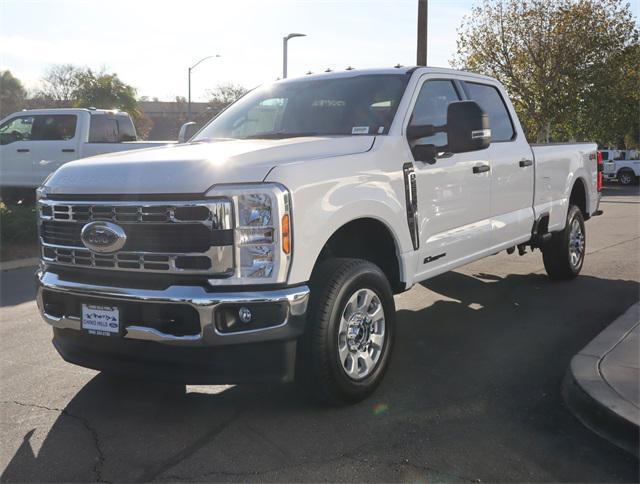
(54, 142)
(512, 166)
(453, 199)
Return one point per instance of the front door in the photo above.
(453, 193)
(15, 151)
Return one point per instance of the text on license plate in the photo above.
(101, 320)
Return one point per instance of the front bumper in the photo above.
(210, 356)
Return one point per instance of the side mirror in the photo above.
(421, 131)
(425, 153)
(187, 130)
(467, 127)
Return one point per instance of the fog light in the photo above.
(244, 314)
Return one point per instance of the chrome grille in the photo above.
(175, 237)
(214, 214)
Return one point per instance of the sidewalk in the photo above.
(602, 386)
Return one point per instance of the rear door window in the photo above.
(490, 100)
(103, 129)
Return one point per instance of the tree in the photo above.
(102, 90)
(224, 94)
(559, 59)
(60, 84)
(12, 94)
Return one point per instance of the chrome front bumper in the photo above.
(204, 302)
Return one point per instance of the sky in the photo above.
(150, 44)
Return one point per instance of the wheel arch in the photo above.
(371, 239)
(578, 196)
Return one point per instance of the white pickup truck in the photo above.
(35, 143)
(270, 246)
(626, 171)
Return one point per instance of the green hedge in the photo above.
(18, 225)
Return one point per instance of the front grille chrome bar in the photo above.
(218, 260)
(215, 214)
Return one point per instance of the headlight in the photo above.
(262, 236)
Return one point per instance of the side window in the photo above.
(126, 130)
(16, 129)
(492, 103)
(41, 127)
(431, 108)
(103, 129)
(56, 127)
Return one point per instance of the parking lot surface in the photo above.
(473, 392)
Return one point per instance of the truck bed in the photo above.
(554, 163)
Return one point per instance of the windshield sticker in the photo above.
(381, 130)
(360, 130)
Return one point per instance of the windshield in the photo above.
(357, 105)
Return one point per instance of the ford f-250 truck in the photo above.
(36, 142)
(270, 246)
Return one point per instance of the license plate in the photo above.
(101, 320)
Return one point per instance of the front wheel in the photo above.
(563, 255)
(351, 328)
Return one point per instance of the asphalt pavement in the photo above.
(473, 392)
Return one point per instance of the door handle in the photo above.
(481, 169)
(525, 163)
(68, 150)
(22, 150)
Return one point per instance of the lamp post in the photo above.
(423, 16)
(190, 69)
(284, 51)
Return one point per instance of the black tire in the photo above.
(556, 254)
(626, 177)
(320, 370)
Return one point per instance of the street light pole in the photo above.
(423, 16)
(189, 77)
(284, 51)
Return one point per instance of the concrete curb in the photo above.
(592, 399)
(19, 264)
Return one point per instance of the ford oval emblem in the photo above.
(103, 237)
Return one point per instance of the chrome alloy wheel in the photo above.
(361, 334)
(625, 178)
(576, 244)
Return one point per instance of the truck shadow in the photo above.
(484, 356)
(618, 190)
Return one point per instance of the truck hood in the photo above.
(193, 168)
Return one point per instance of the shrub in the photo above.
(18, 225)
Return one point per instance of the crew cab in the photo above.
(270, 246)
(34, 143)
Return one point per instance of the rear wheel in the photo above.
(563, 255)
(351, 327)
(626, 177)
